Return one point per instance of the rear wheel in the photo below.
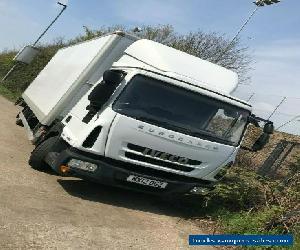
(37, 158)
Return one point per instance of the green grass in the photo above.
(23, 74)
(9, 94)
(255, 223)
(246, 203)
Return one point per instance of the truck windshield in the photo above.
(178, 109)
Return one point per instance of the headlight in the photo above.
(83, 165)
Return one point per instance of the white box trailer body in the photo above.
(133, 113)
(70, 73)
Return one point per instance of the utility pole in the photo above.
(38, 39)
(54, 20)
(258, 3)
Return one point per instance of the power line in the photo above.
(259, 4)
(250, 97)
(294, 119)
(259, 94)
(237, 34)
(277, 112)
(64, 6)
(282, 101)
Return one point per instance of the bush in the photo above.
(240, 190)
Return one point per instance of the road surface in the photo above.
(43, 211)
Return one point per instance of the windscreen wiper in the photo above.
(163, 124)
(151, 120)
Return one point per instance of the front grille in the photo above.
(137, 153)
(157, 162)
(162, 175)
(142, 149)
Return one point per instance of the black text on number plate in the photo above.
(146, 181)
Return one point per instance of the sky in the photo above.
(273, 36)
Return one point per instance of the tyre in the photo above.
(37, 158)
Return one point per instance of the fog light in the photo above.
(83, 165)
(200, 190)
(64, 169)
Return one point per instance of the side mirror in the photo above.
(264, 138)
(113, 76)
(261, 142)
(269, 128)
(102, 92)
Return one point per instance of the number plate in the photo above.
(147, 182)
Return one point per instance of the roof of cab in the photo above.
(171, 60)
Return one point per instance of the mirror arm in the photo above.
(256, 119)
(253, 119)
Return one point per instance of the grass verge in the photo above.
(7, 93)
(246, 203)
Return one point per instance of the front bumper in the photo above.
(114, 173)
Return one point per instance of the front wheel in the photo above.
(37, 158)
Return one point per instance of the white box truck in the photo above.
(136, 114)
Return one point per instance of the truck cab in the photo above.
(154, 123)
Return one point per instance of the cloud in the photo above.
(149, 12)
(3, 5)
(280, 51)
(264, 106)
(276, 75)
(16, 25)
(21, 22)
(277, 68)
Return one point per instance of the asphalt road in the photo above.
(43, 211)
